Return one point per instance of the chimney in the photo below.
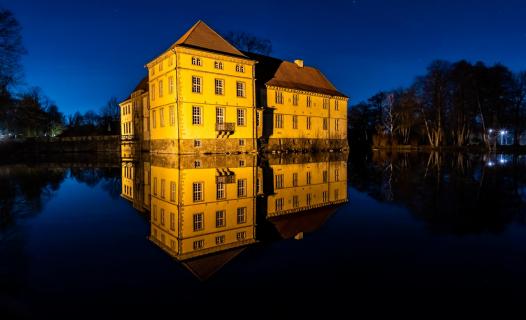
(299, 63)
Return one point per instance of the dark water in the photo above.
(80, 240)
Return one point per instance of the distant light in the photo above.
(503, 132)
(502, 161)
(491, 163)
(490, 130)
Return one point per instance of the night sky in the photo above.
(81, 53)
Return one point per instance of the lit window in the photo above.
(196, 115)
(279, 97)
(241, 117)
(161, 117)
(242, 187)
(197, 191)
(196, 61)
(279, 121)
(171, 85)
(220, 86)
(241, 215)
(196, 84)
(172, 191)
(240, 89)
(218, 65)
(198, 222)
(220, 219)
(220, 191)
(172, 116)
(279, 181)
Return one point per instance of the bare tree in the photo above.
(249, 42)
(11, 50)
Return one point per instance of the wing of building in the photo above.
(203, 95)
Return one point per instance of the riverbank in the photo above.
(473, 149)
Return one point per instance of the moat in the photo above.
(129, 235)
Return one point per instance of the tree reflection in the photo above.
(454, 193)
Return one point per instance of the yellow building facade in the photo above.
(206, 96)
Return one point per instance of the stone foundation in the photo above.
(306, 144)
(211, 146)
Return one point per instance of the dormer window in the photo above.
(196, 61)
(218, 65)
(240, 68)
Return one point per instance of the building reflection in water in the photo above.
(203, 209)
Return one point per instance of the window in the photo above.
(218, 65)
(197, 143)
(325, 176)
(162, 188)
(279, 181)
(161, 117)
(240, 89)
(241, 117)
(294, 122)
(197, 191)
(162, 217)
(241, 215)
(220, 115)
(220, 219)
(172, 116)
(309, 177)
(309, 199)
(196, 84)
(325, 123)
(197, 164)
(172, 191)
(241, 163)
(325, 196)
(309, 101)
(336, 124)
(241, 235)
(153, 69)
(153, 92)
(220, 239)
(279, 121)
(161, 65)
(172, 244)
(154, 119)
(196, 61)
(155, 186)
(170, 85)
(295, 201)
(154, 211)
(199, 244)
(241, 142)
(220, 86)
(336, 106)
(336, 194)
(295, 99)
(172, 221)
(336, 175)
(196, 115)
(279, 97)
(326, 103)
(198, 222)
(309, 123)
(279, 204)
(160, 88)
(242, 187)
(295, 179)
(240, 68)
(220, 191)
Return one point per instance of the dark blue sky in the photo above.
(83, 52)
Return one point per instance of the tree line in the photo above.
(456, 104)
(30, 113)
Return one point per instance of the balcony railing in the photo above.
(225, 127)
(225, 176)
(129, 137)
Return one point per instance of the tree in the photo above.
(248, 42)
(11, 50)
(110, 114)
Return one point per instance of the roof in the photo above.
(201, 36)
(279, 73)
(206, 266)
(142, 85)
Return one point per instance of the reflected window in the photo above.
(172, 221)
(198, 222)
(294, 122)
(309, 177)
(336, 175)
(325, 196)
(336, 194)
(199, 244)
(163, 182)
(309, 199)
(279, 204)
(294, 179)
(172, 191)
(155, 186)
(220, 239)
(197, 164)
(154, 212)
(325, 176)
(162, 217)
(295, 201)
(279, 181)
(172, 116)
(241, 235)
